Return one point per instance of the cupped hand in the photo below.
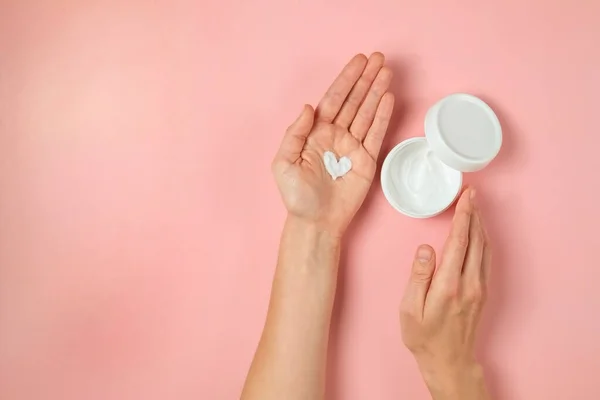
(350, 121)
(441, 307)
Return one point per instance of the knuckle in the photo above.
(363, 115)
(407, 311)
(411, 343)
(477, 237)
(421, 273)
(336, 98)
(486, 236)
(412, 335)
(461, 239)
(361, 87)
(488, 247)
(377, 91)
(381, 118)
(353, 102)
(387, 73)
(475, 295)
(450, 291)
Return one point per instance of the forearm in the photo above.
(290, 361)
(466, 383)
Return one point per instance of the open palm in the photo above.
(350, 120)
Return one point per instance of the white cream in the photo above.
(336, 168)
(419, 184)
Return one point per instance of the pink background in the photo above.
(132, 267)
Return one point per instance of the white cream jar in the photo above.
(422, 177)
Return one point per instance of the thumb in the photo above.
(421, 274)
(295, 136)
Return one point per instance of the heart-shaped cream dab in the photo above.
(336, 168)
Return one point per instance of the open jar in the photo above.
(421, 177)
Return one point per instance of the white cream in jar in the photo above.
(421, 183)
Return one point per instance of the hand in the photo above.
(350, 120)
(440, 311)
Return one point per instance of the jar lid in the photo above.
(463, 132)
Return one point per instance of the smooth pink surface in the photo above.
(133, 265)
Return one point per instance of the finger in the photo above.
(415, 294)
(359, 91)
(366, 113)
(295, 136)
(486, 264)
(473, 259)
(376, 133)
(335, 96)
(455, 249)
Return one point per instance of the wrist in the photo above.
(322, 231)
(460, 382)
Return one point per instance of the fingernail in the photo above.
(472, 195)
(424, 254)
